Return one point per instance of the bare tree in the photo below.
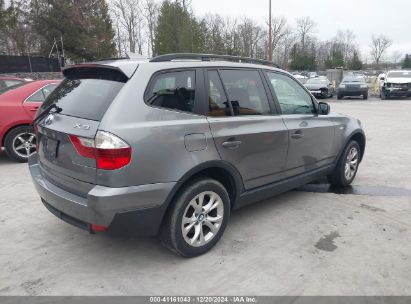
(305, 27)
(283, 49)
(378, 46)
(396, 56)
(131, 18)
(279, 31)
(346, 40)
(151, 9)
(251, 34)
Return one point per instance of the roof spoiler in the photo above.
(125, 68)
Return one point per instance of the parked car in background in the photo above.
(396, 84)
(353, 86)
(6, 81)
(173, 144)
(320, 87)
(300, 78)
(18, 106)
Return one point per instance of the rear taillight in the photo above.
(109, 151)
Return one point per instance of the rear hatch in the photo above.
(83, 98)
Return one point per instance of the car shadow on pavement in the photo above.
(139, 250)
(4, 159)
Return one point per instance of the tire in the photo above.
(325, 94)
(189, 244)
(383, 96)
(365, 96)
(339, 177)
(20, 143)
(339, 96)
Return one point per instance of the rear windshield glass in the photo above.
(6, 89)
(404, 74)
(316, 81)
(354, 79)
(84, 98)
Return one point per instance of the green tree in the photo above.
(355, 63)
(178, 30)
(84, 26)
(336, 59)
(303, 59)
(407, 62)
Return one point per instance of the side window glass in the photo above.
(292, 97)
(37, 97)
(173, 90)
(48, 89)
(246, 92)
(217, 101)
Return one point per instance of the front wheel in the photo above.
(339, 96)
(346, 169)
(198, 218)
(365, 96)
(20, 143)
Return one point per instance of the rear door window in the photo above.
(174, 90)
(246, 92)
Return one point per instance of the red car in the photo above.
(18, 107)
(6, 81)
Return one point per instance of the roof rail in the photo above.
(211, 57)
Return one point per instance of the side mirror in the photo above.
(323, 108)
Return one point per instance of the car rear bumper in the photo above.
(358, 92)
(135, 210)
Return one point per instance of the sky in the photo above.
(364, 17)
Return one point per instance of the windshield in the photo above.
(316, 81)
(4, 90)
(404, 74)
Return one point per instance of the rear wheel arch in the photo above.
(221, 171)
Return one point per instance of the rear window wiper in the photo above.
(47, 111)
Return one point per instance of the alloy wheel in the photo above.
(202, 219)
(24, 144)
(351, 163)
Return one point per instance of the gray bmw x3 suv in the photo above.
(170, 146)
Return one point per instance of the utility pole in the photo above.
(270, 35)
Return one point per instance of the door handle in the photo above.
(34, 109)
(297, 134)
(234, 144)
